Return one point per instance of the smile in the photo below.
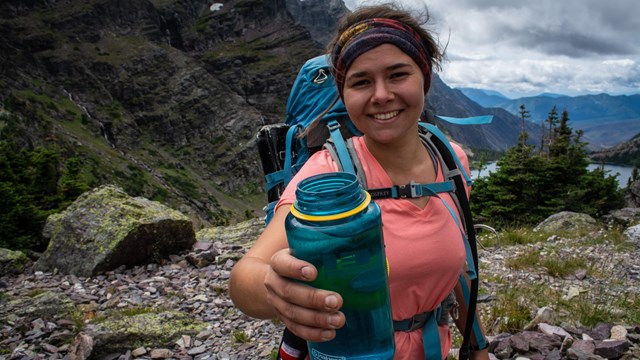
(385, 116)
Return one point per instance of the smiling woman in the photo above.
(382, 60)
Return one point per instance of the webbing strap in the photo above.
(435, 131)
(274, 179)
(457, 177)
(481, 341)
(288, 158)
(412, 190)
(341, 148)
(474, 120)
(428, 321)
(357, 164)
(471, 265)
(431, 339)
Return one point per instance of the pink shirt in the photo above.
(424, 247)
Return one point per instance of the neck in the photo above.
(399, 157)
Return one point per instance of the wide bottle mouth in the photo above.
(329, 196)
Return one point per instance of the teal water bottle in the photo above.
(336, 226)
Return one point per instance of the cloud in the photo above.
(524, 48)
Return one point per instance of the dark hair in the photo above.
(395, 12)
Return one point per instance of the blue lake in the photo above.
(623, 173)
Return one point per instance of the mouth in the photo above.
(385, 116)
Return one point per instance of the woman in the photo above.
(382, 61)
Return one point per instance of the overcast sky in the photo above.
(523, 48)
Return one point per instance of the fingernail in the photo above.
(327, 335)
(331, 301)
(306, 272)
(334, 321)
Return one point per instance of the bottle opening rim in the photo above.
(345, 214)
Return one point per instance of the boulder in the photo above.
(122, 331)
(244, 233)
(568, 221)
(633, 235)
(105, 228)
(628, 216)
(12, 262)
(632, 194)
(47, 305)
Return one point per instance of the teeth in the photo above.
(385, 116)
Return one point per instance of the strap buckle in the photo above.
(417, 321)
(332, 125)
(409, 190)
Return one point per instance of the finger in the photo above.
(301, 294)
(310, 324)
(289, 266)
(310, 333)
(300, 303)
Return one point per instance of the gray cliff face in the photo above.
(161, 97)
(164, 97)
(320, 17)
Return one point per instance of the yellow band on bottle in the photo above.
(337, 216)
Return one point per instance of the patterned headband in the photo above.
(368, 34)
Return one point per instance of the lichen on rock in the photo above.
(106, 228)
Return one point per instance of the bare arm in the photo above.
(261, 286)
(460, 322)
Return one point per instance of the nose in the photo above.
(382, 92)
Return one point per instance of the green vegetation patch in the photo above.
(149, 327)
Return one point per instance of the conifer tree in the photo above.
(524, 115)
(529, 186)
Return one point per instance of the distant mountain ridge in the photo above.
(164, 97)
(486, 98)
(606, 120)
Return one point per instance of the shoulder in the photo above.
(462, 155)
(318, 163)
(457, 148)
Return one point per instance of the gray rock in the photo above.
(632, 194)
(600, 332)
(568, 221)
(625, 216)
(12, 262)
(244, 233)
(612, 349)
(121, 331)
(105, 228)
(49, 305)
(633, 235)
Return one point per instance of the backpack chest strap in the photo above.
(412, 190)
(428, 322)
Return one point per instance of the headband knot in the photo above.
(368, 34)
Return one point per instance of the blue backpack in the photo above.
(283, 152)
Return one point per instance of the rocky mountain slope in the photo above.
(161, 97)
(164, 97)
(606, 120)
(626, 153)
(181, 309)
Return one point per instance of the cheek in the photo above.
(354, 104)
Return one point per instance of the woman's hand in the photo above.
(312, 314)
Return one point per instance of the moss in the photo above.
(148, 327)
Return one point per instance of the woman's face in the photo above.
(383, 94)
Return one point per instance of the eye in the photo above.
(359, 83)
(399, 74)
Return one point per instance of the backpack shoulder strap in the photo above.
(337, 147)
(453, 168)
(457, 179)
